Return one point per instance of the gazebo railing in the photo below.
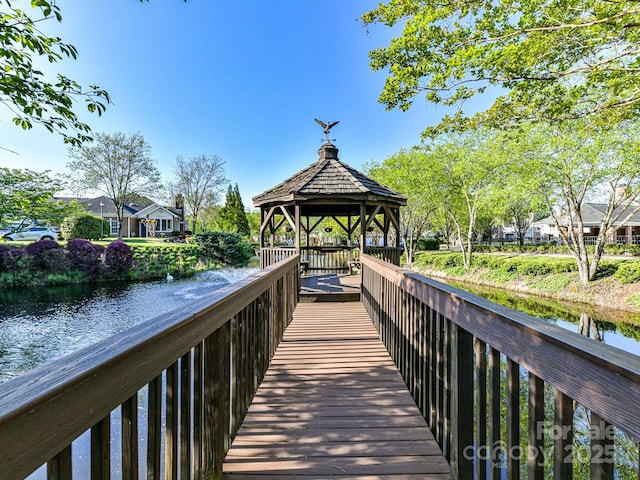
(328, 257)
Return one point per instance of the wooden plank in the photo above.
(332, 403)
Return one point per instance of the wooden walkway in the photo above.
(332, 405)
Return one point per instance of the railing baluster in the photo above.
(461, 403)
(494, 414)
(513, 420)
(440, 386)
(433, 372)
(198, 407)
(209, 406)
(185, 416)
(129, 429)
(481, 409)
(562, 436)
(602, 448)
(222, 369)
(59, 467)
(100, 452)
(171, 423)
(154, 428)
(535, 454)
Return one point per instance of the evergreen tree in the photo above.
(232, 217)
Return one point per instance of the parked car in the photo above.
(33, 233)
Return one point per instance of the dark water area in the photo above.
(613, 327)
(38, 325)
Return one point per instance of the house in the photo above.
(592, 215)
(142, 217)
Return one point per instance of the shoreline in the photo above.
(602, 294)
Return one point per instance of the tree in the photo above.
(465, 171)
(117, 165)
(542, 59)
(25, 91)
(569, 164)
(406, 172)
(199, 180)
(26, 196)
(232, 216)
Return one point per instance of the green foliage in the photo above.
(551, 284)
(26, 196)
(407, 173)
(504, 267)
(622, 249)
(628, 272)
(15, 279)
(26, 91)
(83, 225)
(158, 260)
(232, 216)
(428, 244)
(227, 248)
(543, 60)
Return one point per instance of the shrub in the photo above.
(83, 225)
(118, 258)
(45, 255)
(228, 248)
(628, 272)
(12, 260)
(85, 256)
(428, 244)
(3, 250)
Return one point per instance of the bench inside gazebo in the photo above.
(329, 189)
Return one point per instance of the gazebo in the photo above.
(327, 189)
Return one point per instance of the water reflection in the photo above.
(614, 327)
(38, 325)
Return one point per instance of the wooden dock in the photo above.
(332, 405)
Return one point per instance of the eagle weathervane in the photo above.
(327, 127)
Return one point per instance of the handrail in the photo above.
(328, 257)
(43, 411)
(455, 349)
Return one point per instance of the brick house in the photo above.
(135, 216)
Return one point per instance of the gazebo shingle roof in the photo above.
(328, 177)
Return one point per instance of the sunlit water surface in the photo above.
(38, 325)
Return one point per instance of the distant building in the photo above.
(135, 216)
(592, 215)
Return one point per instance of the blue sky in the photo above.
(241, 79)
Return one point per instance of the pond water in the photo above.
(38, 325)
(613, 327)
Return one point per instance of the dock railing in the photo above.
(506, 395)
(192, 372)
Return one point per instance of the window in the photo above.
(114, 226)
(164, 225)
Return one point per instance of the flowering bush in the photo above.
(118, 258)
(12, 260)
(85, 256)
(45, 255)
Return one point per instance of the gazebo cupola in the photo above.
(329, 188)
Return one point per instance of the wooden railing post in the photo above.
(462, 404)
